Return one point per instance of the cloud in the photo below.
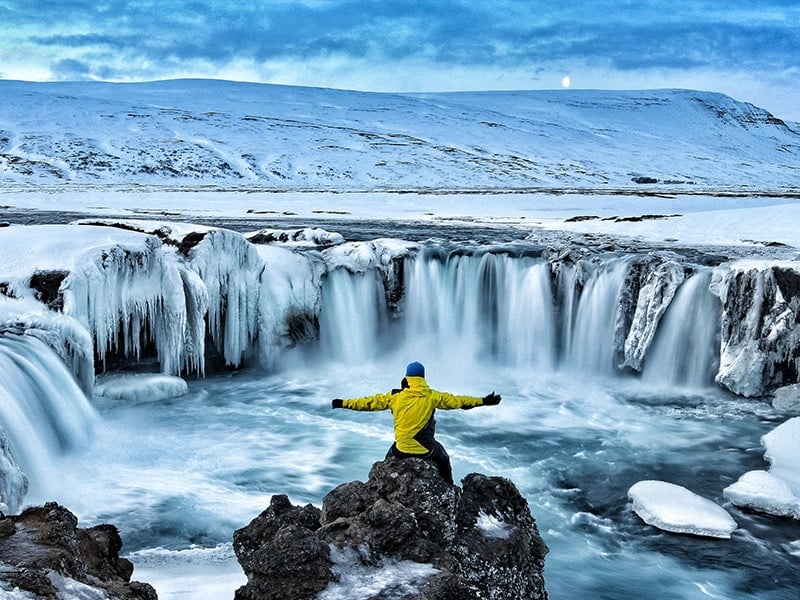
(71, 70)
(145, 39)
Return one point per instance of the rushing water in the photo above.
(179, 476)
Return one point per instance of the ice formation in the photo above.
(184, 293)
(674, 508)
(140, 387)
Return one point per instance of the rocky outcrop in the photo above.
(43, 552)
(760, 328)
(479, 541)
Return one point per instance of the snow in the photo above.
(493, 527)
(674, 508)
(357, 581)
(68, 588)
(782, 450)
(193, 132)
(764, 492)
(308, 237)
(141, 387)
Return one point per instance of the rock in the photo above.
(280, 554)
(760, 328)
(786, 399)
(42, 551)
(479, 540)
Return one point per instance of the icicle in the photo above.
(231, 270)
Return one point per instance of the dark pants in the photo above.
(438, 455)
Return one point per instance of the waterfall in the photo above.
(590, 346)
(481, 306)
(354, 315)
(513, 311)
(42, 409)
(685, 351)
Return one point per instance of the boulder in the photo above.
(479, 541)
(786, 399)
(43, 552)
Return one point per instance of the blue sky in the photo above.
(748, 49)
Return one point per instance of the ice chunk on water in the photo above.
(674, 508)
(141, 387)
(782, 446)
(776, 492)
(762, 491)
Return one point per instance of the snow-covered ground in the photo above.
(284, 138)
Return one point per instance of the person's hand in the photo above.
(336, 403)
(492, 399)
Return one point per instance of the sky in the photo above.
(748, 49)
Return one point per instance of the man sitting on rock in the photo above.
(412, 407)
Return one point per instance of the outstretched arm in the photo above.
(450, 401)
(376, 402)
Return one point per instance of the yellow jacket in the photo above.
(413, 409)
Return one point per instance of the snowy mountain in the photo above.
(199, 132)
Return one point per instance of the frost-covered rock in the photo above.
(45, 553)
(760, 327)
(674, 508)
(307, 237)
(403, 534)
(786, 399)
(653, 299)
(386, 255)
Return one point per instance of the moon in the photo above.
(565, 82)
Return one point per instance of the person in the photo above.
(413, 407)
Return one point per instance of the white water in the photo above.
(42, 409)
(178, 476)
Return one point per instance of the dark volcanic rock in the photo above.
(44, 543)
(280, 554)
(481, 540)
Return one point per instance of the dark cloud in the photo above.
(761, 34)
(71, 70)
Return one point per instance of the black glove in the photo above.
(491, 399)
(336, 403)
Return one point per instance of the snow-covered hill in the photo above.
(194, 132)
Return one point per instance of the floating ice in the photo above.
(674, 508)
(776, 492)
(141, 387)
(782, 446)
(762, 491)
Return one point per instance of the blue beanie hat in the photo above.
(415, 369)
